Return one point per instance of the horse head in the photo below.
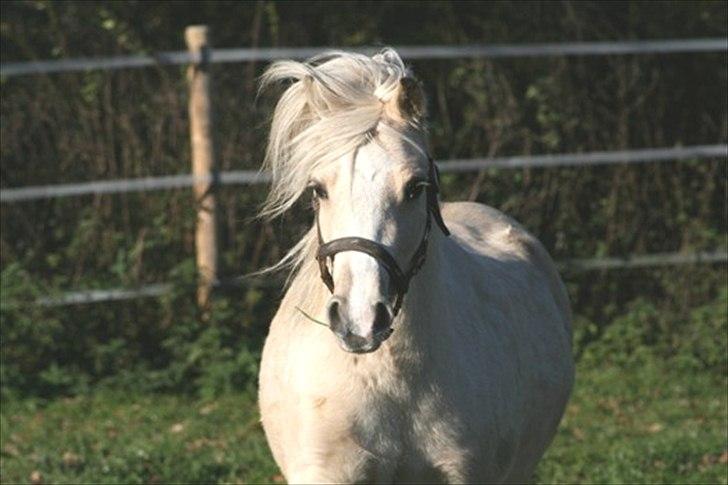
(354, 126)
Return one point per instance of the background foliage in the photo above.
(102, 125)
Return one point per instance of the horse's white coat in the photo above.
(473, 382)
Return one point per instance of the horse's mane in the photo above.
(332, 106)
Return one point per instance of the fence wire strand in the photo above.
(569, 266)
(247, 54)
(245, 177)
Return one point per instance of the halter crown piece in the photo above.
(398, 279)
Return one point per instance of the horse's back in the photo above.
(521, 299)
(487, 232)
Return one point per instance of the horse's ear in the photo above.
(409, 103)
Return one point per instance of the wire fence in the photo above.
(246, 177)
(661, 46)
(569, 266)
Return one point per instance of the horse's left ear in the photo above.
(409, 103)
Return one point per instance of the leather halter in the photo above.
(399, 280)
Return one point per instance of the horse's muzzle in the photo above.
(346, 332)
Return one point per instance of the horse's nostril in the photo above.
(381, 318)
(334, 313)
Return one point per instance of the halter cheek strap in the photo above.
(399, 279)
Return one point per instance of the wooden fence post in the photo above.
(203, 160)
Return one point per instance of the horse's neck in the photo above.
(425, 300)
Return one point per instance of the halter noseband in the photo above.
(398, 278)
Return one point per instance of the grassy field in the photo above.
(116, 438)
(642, 423)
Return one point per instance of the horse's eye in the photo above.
(414, 188)
(318, 191)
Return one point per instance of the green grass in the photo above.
(116, 438)
(646, 423)
(641, 425)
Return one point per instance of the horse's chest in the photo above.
(366, 426)
(419, 439)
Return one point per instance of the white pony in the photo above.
(469, 380)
